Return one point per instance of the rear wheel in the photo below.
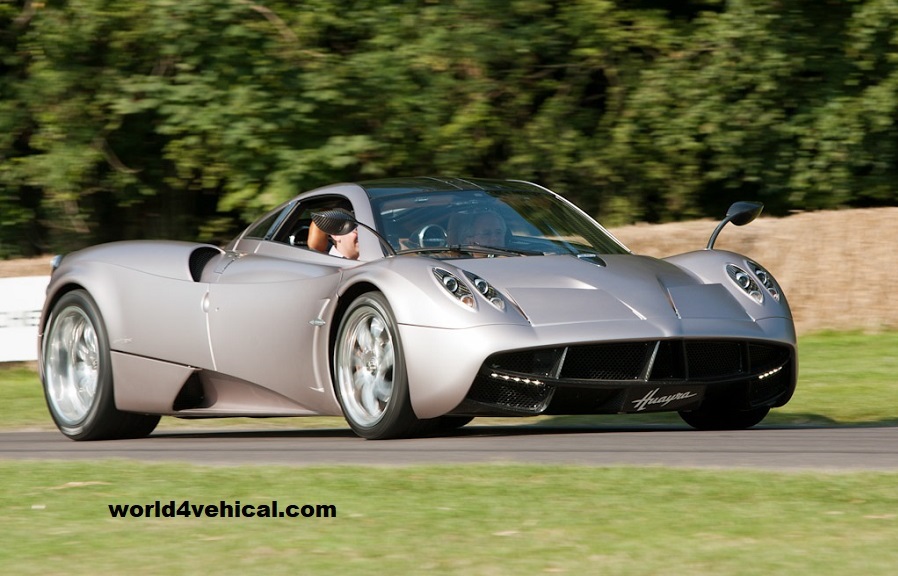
(77, 374)
(369, 371)
(716, 419)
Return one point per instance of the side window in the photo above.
(262, 228)
(295, 230)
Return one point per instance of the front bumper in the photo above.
(600, 367)
(633, 377)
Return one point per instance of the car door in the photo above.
(268, 307)
(265, 323)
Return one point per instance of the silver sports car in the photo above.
(411, 306)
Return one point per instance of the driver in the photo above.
(346, 245)
(341, 245)
(484, 229)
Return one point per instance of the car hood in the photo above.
(565, 289)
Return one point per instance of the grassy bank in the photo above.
(439, 520)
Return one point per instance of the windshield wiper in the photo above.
(471, 248)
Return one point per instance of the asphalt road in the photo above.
(826, 448)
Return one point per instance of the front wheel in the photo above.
(369, 371)
(711, 419)
(77, 374)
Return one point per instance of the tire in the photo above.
(370, 379)
(76, 372)
(710, 419)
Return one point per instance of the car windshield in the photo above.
(498, 223)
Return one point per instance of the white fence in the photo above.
(21, 300)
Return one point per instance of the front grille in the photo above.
(593, 378)
(670, 362)
(661, 361)
(714, 359)
(769, 388)
(537, 362)
(597, 378)
(766, 357)
(617, 361)
(512, 396)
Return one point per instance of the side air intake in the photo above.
(198, 260)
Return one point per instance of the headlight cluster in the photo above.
(747, 282)
(766, 279)
(486, 290)
(454, 286)
(459, 289)
(744, 280)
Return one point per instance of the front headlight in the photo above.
(745, 281)
(766, 279)
(487, 291)
(463, 295)
(454, 286)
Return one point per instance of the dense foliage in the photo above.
(186, 118)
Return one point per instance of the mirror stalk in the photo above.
(740, 214)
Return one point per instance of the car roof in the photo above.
(397, 186)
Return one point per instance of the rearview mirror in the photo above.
(740, 214)
(335, 222)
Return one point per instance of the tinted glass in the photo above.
(261, 228)
(518, 221)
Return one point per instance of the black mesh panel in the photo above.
(617, 361)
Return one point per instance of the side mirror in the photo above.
(334, 222)
(337, 222)
(740, 214)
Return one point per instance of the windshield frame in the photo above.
(537, 222)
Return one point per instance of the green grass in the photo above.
(468, 520)
(844, 378)
(21, 398)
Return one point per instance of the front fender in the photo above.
(144, 314)
(710, 267)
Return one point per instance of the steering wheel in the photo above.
(431, 236)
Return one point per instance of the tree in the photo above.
(19, 204)
(188, 118)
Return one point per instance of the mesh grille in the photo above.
(198, 260)
(714, 359)
(619, 361)
(594, 378)
(520, 397)
(670, 364)
(764, 357)
(537, 362)
(769, 388)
